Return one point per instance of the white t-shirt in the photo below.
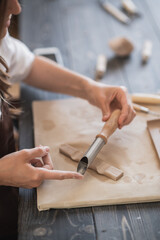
(18, 57)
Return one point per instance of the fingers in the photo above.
(48, 164)
(59, 175)
(105, 108)
(106, 113)
(126, 116)
(127, 112)
(29, 154)
(36, 162)
(127, 119)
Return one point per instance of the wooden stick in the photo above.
(115, 12)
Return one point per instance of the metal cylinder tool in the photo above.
(101, 139)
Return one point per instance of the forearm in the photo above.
(47, 75)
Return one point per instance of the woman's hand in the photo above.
(26, 169)
(109, 98)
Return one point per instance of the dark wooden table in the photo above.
(81, 30)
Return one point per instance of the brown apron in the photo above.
(8, 195)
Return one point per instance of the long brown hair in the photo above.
(3, 6)
(4, 84)
(4, 77)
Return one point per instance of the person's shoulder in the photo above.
(7, 43)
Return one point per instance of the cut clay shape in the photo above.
(121, 46)
(98, 164)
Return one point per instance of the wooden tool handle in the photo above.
(110, 126)
(145, 98)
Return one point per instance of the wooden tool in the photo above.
(140, 108)
(129, 6)
(154, 130)
(101, 139)
(147, 51)
(101, 66)
(145, 98)
(115, 12)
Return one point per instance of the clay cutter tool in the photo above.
(140, 108)
(101, 139)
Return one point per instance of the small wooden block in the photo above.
(147, 51)
(101, 66)
(129, 6)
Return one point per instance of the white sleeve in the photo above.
(18, 57)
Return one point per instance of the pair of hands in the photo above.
(25, 168)
(109, 98)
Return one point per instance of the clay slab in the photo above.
(76, 122)
(154, 130)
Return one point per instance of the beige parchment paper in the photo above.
(76, 122)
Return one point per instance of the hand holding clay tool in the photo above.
(101, 139)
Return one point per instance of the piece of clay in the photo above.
(104, 168)
(115, 12)
(101, 66)
(129, 6)
(121, 46)
(146, 51)
(71, 152)
(98, 164)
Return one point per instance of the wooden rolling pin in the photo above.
(145, 98)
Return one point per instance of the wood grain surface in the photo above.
(81, 30)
